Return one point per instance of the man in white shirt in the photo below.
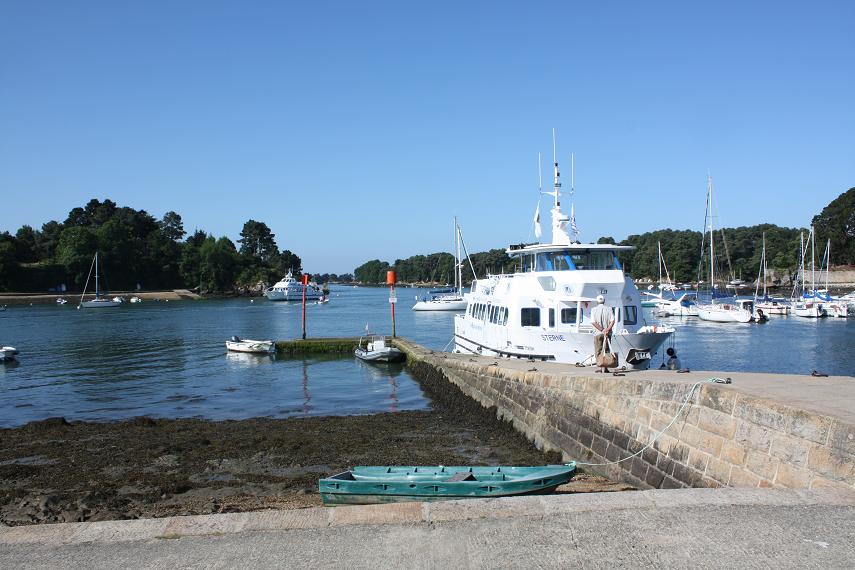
(602, 319)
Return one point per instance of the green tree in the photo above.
(8, 266)
(836, 222)
(218, 265)
(76, 248)
(26, 245)
(257, 240)
(171, 226)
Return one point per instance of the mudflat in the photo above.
(59, 471)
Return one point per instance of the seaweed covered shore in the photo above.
(59, 471)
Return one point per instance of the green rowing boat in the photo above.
(366, 485)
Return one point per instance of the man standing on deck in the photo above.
(603, 320)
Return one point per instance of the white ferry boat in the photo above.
(543, 310)
(290, 289)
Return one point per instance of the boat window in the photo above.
(547, 283)
(530, 317)
(504, 315)
(594, 260)
(630, 315)
(568, 315)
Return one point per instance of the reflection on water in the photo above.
(169, 359)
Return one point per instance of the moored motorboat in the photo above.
(367, 485)
(686, 305)
(376, 350)
(8, 353)
(236, 344)
(542, 311)
(136, 299)
(290, 289)
(61, 301)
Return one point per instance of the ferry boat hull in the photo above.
(634, 350)
(452, 304)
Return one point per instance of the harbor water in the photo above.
(168, 359)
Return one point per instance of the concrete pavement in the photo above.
(713, 528)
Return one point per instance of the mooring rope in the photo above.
(712, 380)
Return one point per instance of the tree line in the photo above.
(138, 251)
(738, 252)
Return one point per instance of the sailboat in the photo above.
(809, 305)
(717, 311)
(666, 288)
(766, 304)
(98, 302)
(834, 307)
(449, 299)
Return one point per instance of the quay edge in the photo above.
(763, 430)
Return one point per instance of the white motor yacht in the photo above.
(290, 289)
(543, 311)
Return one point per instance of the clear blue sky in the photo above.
(356, 130)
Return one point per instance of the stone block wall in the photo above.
(721, 437)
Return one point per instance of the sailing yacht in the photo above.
(98, 302)
(834, 306)
(765, 303)
(666, 288)
(448, 299)
(810, 305)
(543, 310)
(717, 311)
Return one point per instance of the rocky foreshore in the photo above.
(59, 471)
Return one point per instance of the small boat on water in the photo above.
(236, 344)
(366, 485)
(290, 289)
(61, 301)
(376, 350)
(449, 299)
(98, 302)
(8, 353)
(136, 299)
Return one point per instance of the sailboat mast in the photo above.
(458, 267)
(827, 264)
(812, 261)
(712, 239)
(97, 287)
(765, 293)
(802, 260)
(556, 185)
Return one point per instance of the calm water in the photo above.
(168, 359)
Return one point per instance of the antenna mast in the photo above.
(557, 174)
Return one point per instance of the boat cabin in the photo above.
(575, 257)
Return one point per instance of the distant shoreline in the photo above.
(45, 298)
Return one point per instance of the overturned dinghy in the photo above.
(367, 485)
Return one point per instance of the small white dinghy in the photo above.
(236, 344)
(8, 353)
(376, 350)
